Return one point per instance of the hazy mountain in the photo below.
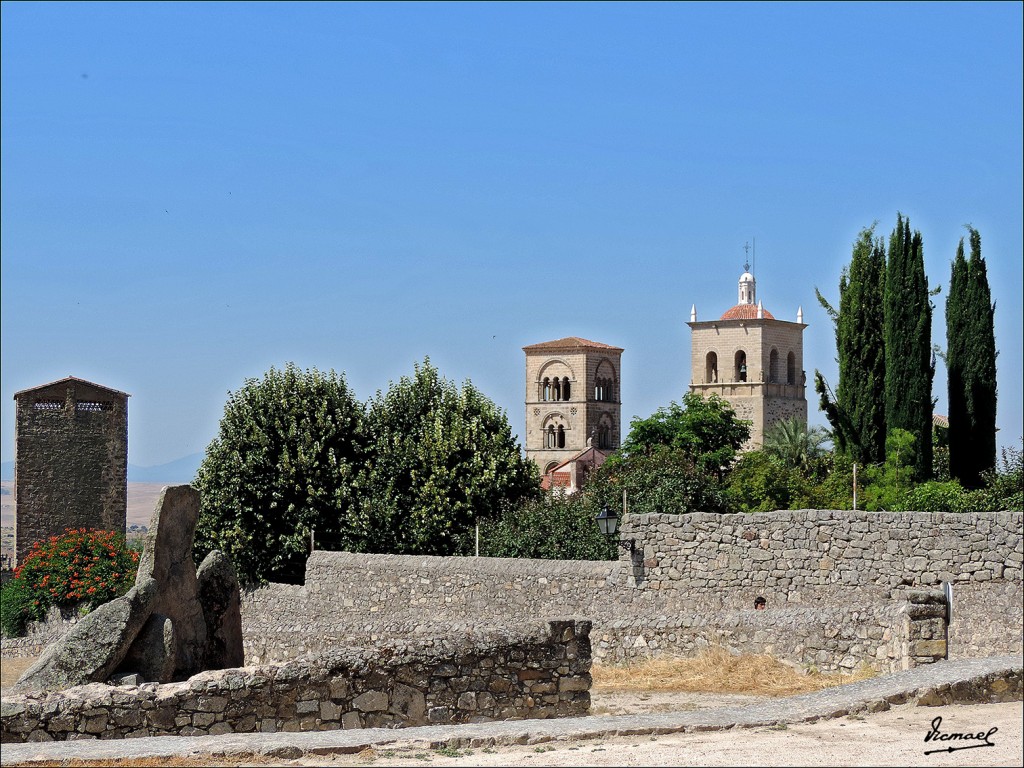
(175, 472)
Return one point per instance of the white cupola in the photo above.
(748, 288)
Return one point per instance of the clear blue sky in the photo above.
(193, 192)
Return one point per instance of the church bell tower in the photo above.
(752, 360)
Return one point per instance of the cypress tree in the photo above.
(909, 363)
(858, 414)
(971, 363)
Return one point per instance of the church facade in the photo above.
(752, 360)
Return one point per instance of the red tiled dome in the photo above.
(745, 312)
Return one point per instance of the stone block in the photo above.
(936, 648)
(371, 701)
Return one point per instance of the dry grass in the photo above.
(717, 671)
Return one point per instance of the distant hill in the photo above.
(175, 472)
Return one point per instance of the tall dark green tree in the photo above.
(971, 365)
(857, 413)
(909, 361)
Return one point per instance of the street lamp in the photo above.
(608, 522)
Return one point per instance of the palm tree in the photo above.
(796, 444)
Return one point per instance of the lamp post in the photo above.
(608, 522)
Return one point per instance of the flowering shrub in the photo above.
(82, 568)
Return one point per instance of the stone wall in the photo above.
(838, 585)
(71, 460)
(789, 554)
(536, 671)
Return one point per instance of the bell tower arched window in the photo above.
(740, 371)
(791, 368)
(565, 387)
(711, 369)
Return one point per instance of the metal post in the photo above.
(478, 538)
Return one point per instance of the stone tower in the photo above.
(71, 460)
(572, 397)
(752, 360)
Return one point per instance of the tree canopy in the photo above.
(909, 361)
(284, 463)
(857, 414)
(409, 473)
(705, 431)
(439, 458)
(971, 366)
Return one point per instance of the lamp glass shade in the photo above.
(607, 521)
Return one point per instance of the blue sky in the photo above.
(194, 192)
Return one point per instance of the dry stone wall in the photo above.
(536, 671)
(838, 586)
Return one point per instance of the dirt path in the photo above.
(894, 738)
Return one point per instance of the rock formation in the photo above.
(172, 624)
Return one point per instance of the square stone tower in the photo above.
(752, 360)
(572, 399)
(71, 460)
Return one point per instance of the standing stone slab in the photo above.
(167, 558)
(220, 598)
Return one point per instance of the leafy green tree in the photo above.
(1003, 487)
(283, 466)
(555, 527)
(440, 457)
(886, 485)
(796, 444)
(971, 365)
(706, 431)
(857, 412)
(658, 480)
(762, 482)
(909, 361)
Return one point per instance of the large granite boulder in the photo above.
(172, 624)
(95, 646)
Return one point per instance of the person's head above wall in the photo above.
(760, 603)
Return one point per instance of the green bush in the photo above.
(15, 607)
(556, 527)
(934, 496)
(82, 568)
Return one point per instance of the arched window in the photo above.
(791, 368)
(565, 388)
(603, 436)
(711, 369)
(773, 366)
(610, 394)
(549, 437)
(561, 436)
(740, 372)
(547, 389)
(558, 388)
